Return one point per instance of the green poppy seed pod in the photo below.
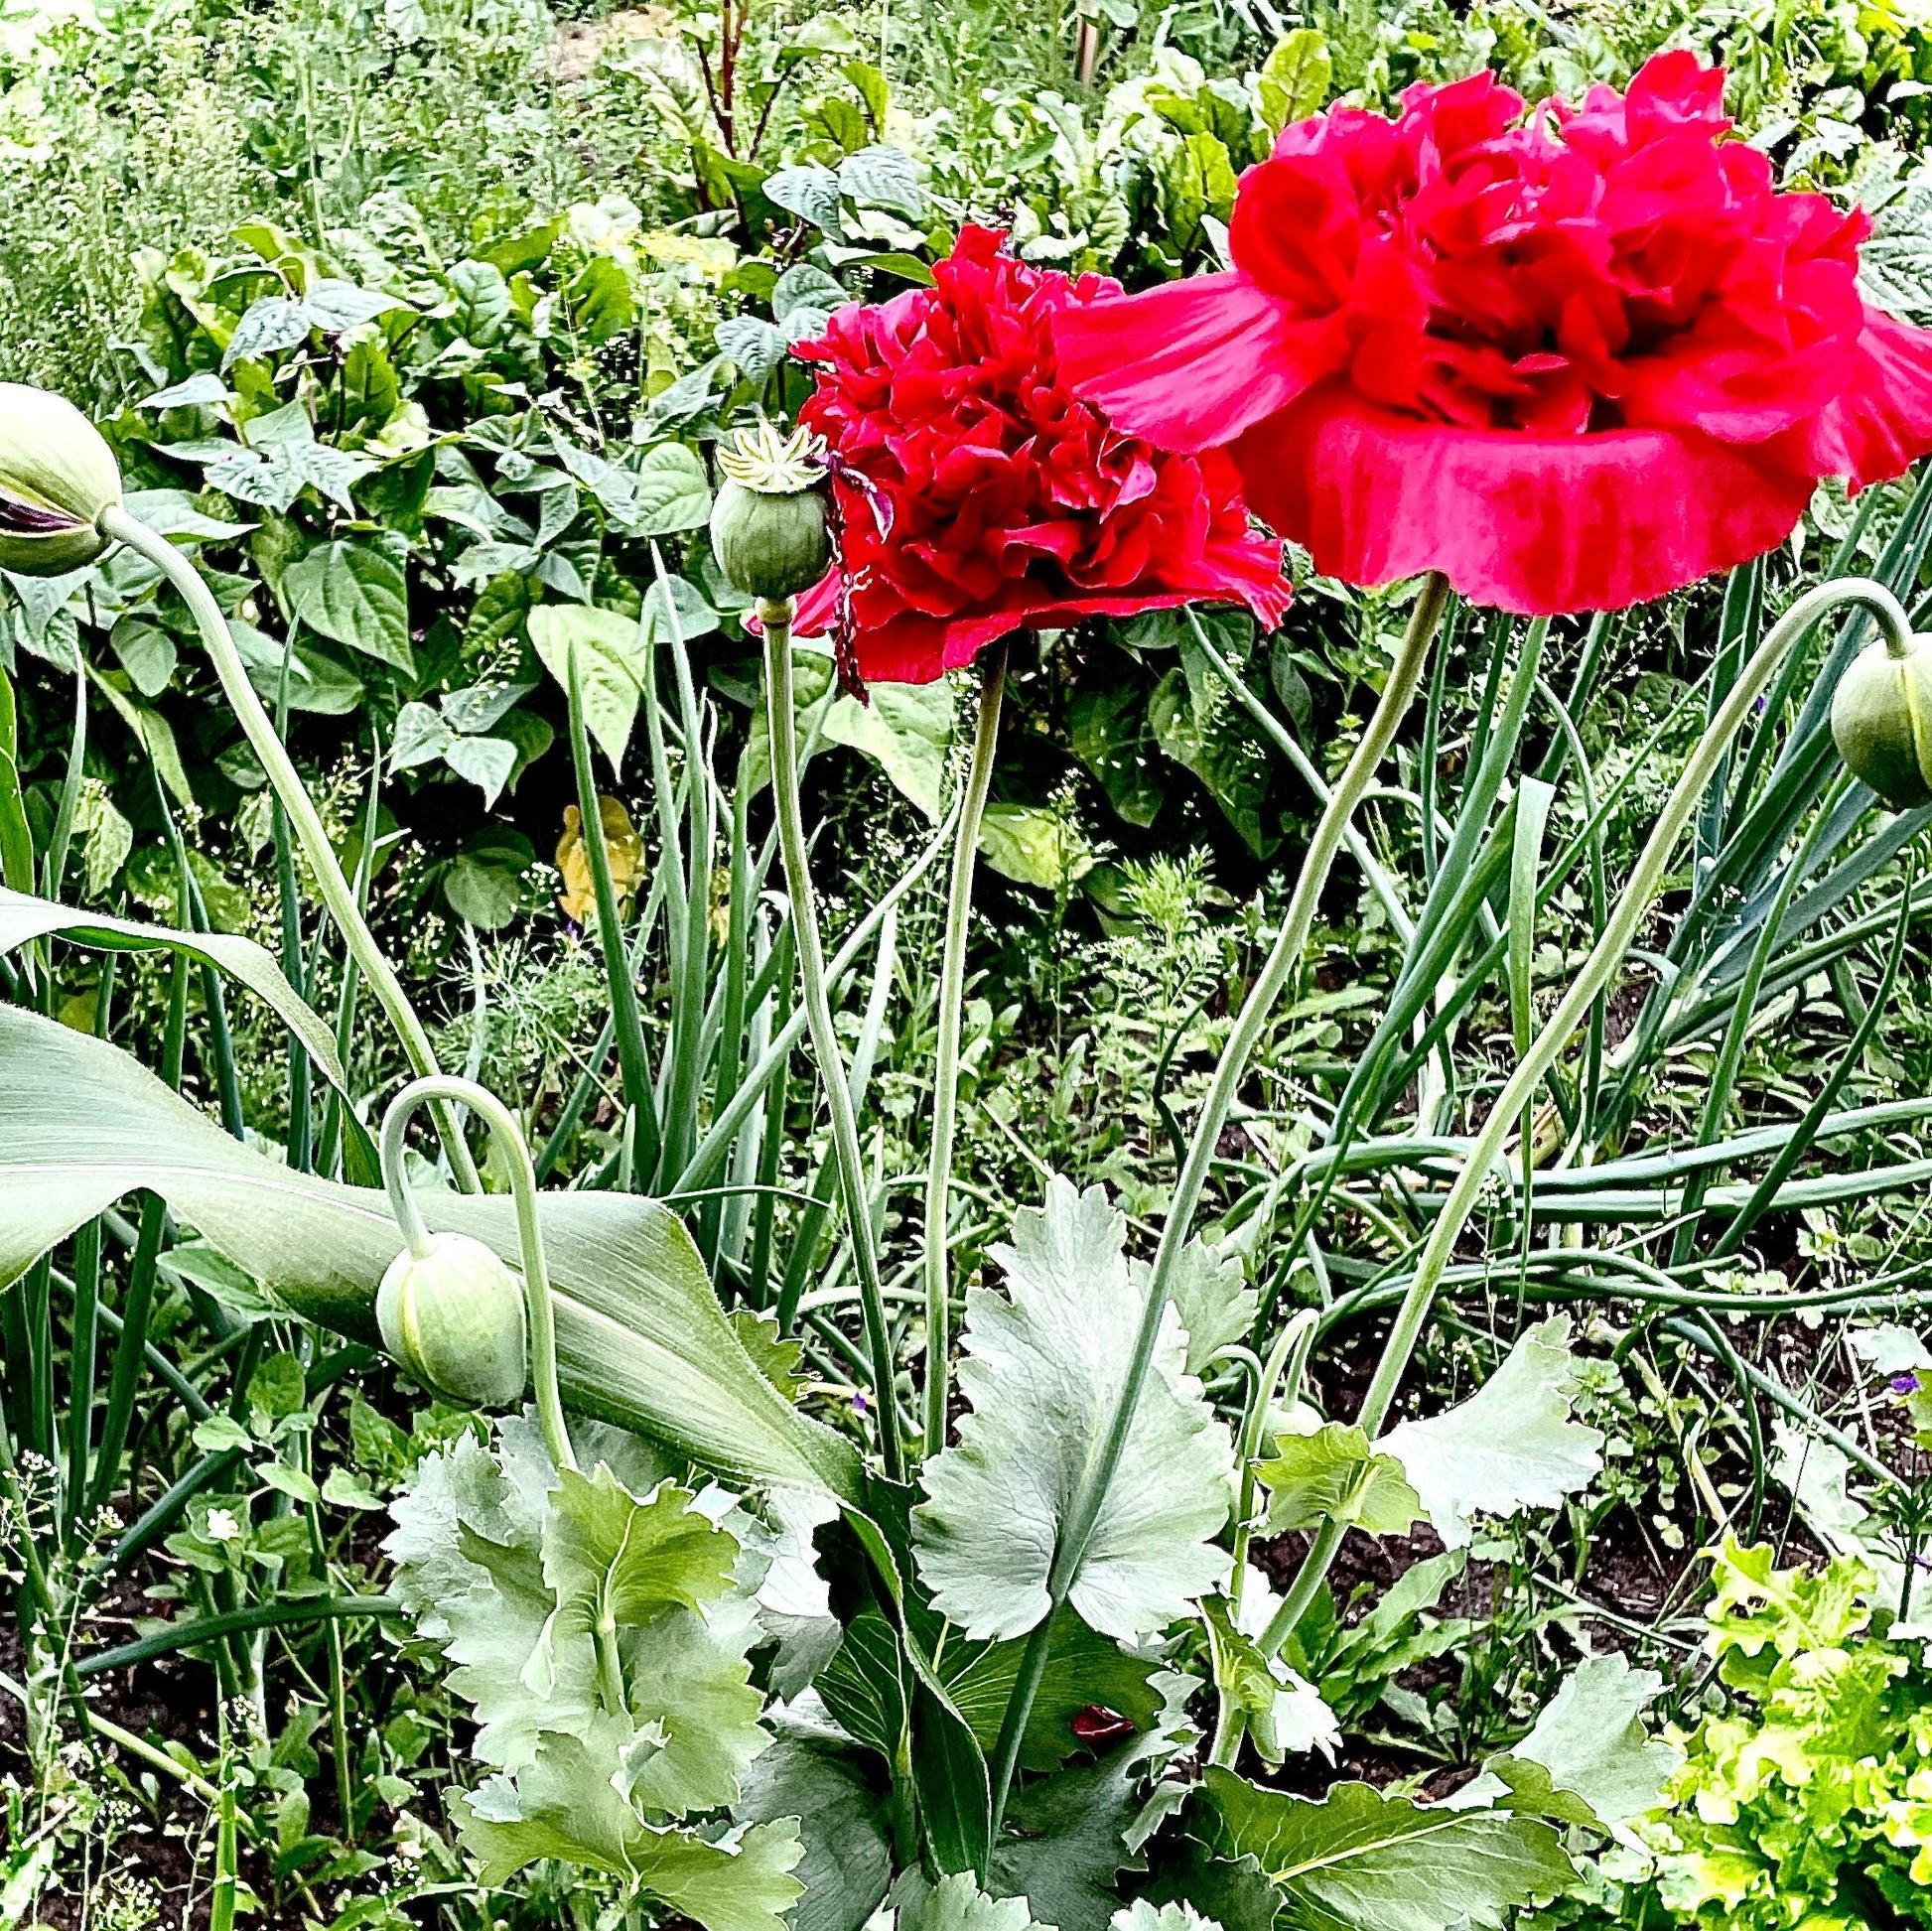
(57, 477)
(1882, 722)
(771, 546)
(455, 1318)
(768, 527)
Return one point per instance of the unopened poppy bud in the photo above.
(1882, 722)
(57, 477)
(455, 1318)
(768, 527)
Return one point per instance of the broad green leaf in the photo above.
(600, 300)
(1591, 1740)
(614, 1560)
(467, 1549)
(805, 286)
(780, 1360)
(884, 177)
(605, 1699)
(1216, 1303)
(172, 513)
(1197, 180)
(956, 1903)
(485, 761)
(563, 1806)
(754, 344)
(1072, 1833)
(641, 1337)
(1085, 1671)
(198, 390)
(688, 1684)
(1033, 845)
(356, 595)
(1067, 1842)
(864, 1685)
(848, 1855)
(610, 667)
(1362, 1860)
(1285, 1711)
(1194, 721)
(1332, 1475)
(1295, 78)
(1511, 1446)
(482, 299)
(1817, 1475)
(469, 1572)
(950, 1776)
(1142, 1916)
(1044, 1368)
(906, 729)
(1521, 1784)
(157, 738)
(24, 919)
(1888, 1349)
(274, 322)
(809, 193)
(485, 891)
(874, 1688)
(673, 493)
(1110, 735)
(686, 609)
(314, 681)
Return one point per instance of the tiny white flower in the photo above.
(223, 1526)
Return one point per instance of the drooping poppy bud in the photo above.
(1882, 722)
(768, 526)
(455, 1318)
(57, 475)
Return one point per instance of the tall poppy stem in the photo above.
(1632, 907)
(1284, 961)
(266, 742)
(777, 620)
(945, 1077)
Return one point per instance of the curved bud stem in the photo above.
(268, 747)
(1632, 907)
(946, 1073)
(445, 1088)
(776, 619)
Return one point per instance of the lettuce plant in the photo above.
(1804, 1799)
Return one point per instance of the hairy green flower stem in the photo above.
(1283, 962)
(266, 742)
(777, 620)
(945, 1077)
(494, 1115)
(1632, 907)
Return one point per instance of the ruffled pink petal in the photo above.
(816, 611)
(1188, 365)
(1880, 423)
(1541, 525)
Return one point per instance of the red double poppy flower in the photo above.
(978, 495)
(1573, 360)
